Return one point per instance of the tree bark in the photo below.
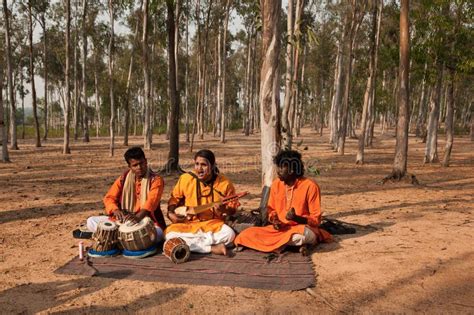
(45, 65)
(84, 65)
(32, 78)
(431, 149)
(224, 76)
(146, 77)
(173, 155)
(370, 80)
(13, 131)
(449, 122)
(401, 147)
(285, 120)
(129, 79)
(3, 127)
(111, 78)
(66, 149)
(270, 87)
(356, 20)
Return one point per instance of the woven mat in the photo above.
(248, 269)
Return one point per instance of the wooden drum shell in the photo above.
(176, 250)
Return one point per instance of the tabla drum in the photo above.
(105, 237)
(139, 236)
(176, 250)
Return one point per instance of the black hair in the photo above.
(208, 155)
(292, 159)
(135, 153)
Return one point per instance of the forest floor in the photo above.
(419, 259)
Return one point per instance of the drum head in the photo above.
(131, 227)
(107, 226)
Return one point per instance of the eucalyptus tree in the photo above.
(401, 149)
(8, 54)
(32, 76)
(371, 79)
(3, 127)
(173, 155)
(40, 10)
(67, 106)
(270, 87)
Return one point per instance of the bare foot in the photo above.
(219, 249)
(304, 250)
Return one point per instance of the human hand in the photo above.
(174, 218)
(291, 214)
(119, 215)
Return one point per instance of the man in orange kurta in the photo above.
(294, 210)
(134, 195)
(206, 231)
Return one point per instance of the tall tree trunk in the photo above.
(420, 121)
(13, 131)
(356, 20)
(45, 66)
(22, 105)
(77, 102)
(270, 87)
(224, 76)
(248, 71)
(186, 80)
(129, 79)
(285, 120)
(84, 64)
(296, 61)
(97, 98)
(32, 78)
(449, 122)
(173, 155)
(3, 127)
(66, 149)
(401, 148)
(431, 149)
(338, 85)
(111, 78)
(146, 77)
(376, 10)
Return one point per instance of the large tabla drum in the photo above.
(105, 237)
(139, 236)
(176, 250)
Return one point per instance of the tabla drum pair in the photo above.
(138, 239)
(176, 250)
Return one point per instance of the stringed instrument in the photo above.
(184, 211)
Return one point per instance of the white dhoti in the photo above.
(201, 242)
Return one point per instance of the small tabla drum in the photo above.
(105, 237)
(176, 250)
(139, 236)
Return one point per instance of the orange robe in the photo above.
(113, 197)
(185, 194)
(304, 196)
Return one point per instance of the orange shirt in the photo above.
(113, 197)
(304, 196)
(185, 193)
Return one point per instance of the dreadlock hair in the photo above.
(292, 159)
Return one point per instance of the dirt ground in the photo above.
(420, 258)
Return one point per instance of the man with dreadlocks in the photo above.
(294, 210)
(206, 231)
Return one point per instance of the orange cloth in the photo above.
(113, 197)
(304, 196)
(184, 194)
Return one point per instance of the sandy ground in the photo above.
(420, 258)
